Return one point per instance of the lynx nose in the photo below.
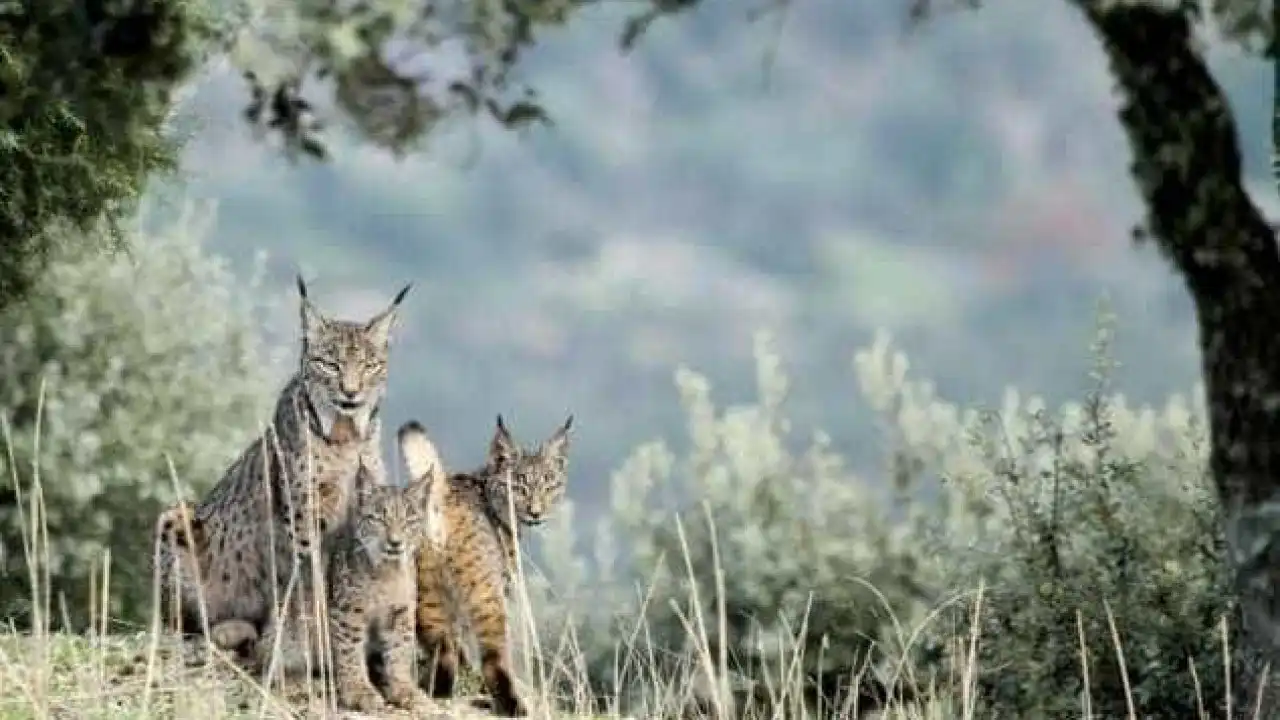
(348, 399)
(395, 546)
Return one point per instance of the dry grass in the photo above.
(145, 675)
(115, 672)
(120, 672)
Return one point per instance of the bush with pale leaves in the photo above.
(1047, 526)
(144, 357)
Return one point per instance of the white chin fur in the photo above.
(328, 413)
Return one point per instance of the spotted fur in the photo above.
(183, 544)
(291, 488)
(469, 580)
(372, 588)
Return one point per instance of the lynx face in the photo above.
(530, 481)
(344, 364)
(391, 521)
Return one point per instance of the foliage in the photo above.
(804, 545)
(1109, 519)
(85, 89)
(383, 61)
(1188, 168)
(1247, 23)
(397, 69)
(1024, 517)
(145, 357)
(74, 72)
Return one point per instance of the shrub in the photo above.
(806, 549)
(1109, 546)
(1022, 516)
(145, 357)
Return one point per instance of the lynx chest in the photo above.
(333, 467)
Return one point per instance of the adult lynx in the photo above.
(292, 487)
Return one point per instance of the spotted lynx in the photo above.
(472, 574)
(182, 539)
(291, 488)
(372, 588)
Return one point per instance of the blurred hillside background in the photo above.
(819, 173)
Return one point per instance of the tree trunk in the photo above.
(1187, 167)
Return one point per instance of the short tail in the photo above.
(176, 522)
(427, 478)
(420, 454)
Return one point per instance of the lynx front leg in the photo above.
(371, 461)
(348, 633)
(398, 653)
(301, 509)
(487, 609)
(290, 642)
(435, 631)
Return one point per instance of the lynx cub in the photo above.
(473, 572)
(372, 589)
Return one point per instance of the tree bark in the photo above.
(1186, 163)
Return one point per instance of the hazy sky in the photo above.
(964, 187)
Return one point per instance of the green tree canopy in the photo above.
(374, 61)
(85, 89)
(391, 68)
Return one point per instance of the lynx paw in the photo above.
(232, 635)
(361, 699)
(407, 697)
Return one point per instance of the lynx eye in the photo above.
(325, 366)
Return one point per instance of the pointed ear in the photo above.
(312, 320)
(502, 448)
(427, 494)
(558, 443)
(379, 328)
(423, 488)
